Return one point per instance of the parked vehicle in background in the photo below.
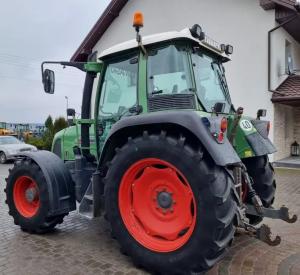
(10, 147)
(4, 131)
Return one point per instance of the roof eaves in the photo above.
(288, 90)
(271, 4)
(108, 16)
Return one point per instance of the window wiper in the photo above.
(157, 92)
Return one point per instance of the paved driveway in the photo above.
(80, 246)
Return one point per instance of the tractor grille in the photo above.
(176, 101)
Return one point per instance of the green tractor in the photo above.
(165, 157)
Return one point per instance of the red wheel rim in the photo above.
(157, 205)
(26, 196)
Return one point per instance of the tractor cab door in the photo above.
(118, 93)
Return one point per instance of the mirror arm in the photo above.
(78, 65)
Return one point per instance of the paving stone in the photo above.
(80, 246)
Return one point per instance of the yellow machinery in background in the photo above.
(4, 131)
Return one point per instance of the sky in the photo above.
(33, 31)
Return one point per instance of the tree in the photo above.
(49, 123)
(59, 124)
(45, 143)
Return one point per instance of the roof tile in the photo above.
(289, 89)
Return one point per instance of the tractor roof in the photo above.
(207, 43)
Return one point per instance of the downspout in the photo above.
(293, 17)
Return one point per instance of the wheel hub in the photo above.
(30, 194)
(164, 200)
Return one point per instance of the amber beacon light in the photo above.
(138, 20)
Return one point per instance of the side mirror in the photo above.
(49, 81)
(70, 112)
(261, 113)
(219, 107)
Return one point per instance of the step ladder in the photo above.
(90, 205)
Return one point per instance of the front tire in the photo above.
(169, 206)
(28, 199)
(3, 158)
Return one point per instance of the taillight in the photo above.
(268, 127)
(224, 125)
(221, 137)
(223, 129)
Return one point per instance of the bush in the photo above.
(37, 142)
(45, 142)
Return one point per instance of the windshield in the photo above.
(210, 81)
(9, 140)
(168, 71)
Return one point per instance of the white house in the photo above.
(262, 73)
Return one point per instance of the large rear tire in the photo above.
(170, 207)
(28, 199)
(262, 173)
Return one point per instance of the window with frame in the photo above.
(168, 71)
(288, 57)
(119, 87)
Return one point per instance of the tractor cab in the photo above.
(175, 70)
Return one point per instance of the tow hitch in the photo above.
(263, 232)
(282, 213)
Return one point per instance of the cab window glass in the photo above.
(168, 71)
(119, 88)
(210, 81)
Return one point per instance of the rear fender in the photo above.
(252, 138)
(60, 185)
(222, 153)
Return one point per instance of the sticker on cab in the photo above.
(246, 125)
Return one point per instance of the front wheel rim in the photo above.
(2, 157)
(26, 196)
(157, 205)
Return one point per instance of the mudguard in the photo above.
(222, 153)
(252, 138)
(259, 141)
(60, 185)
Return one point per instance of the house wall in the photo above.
(284, 130)
(242, 23)
(297, 124)
(278, 40)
